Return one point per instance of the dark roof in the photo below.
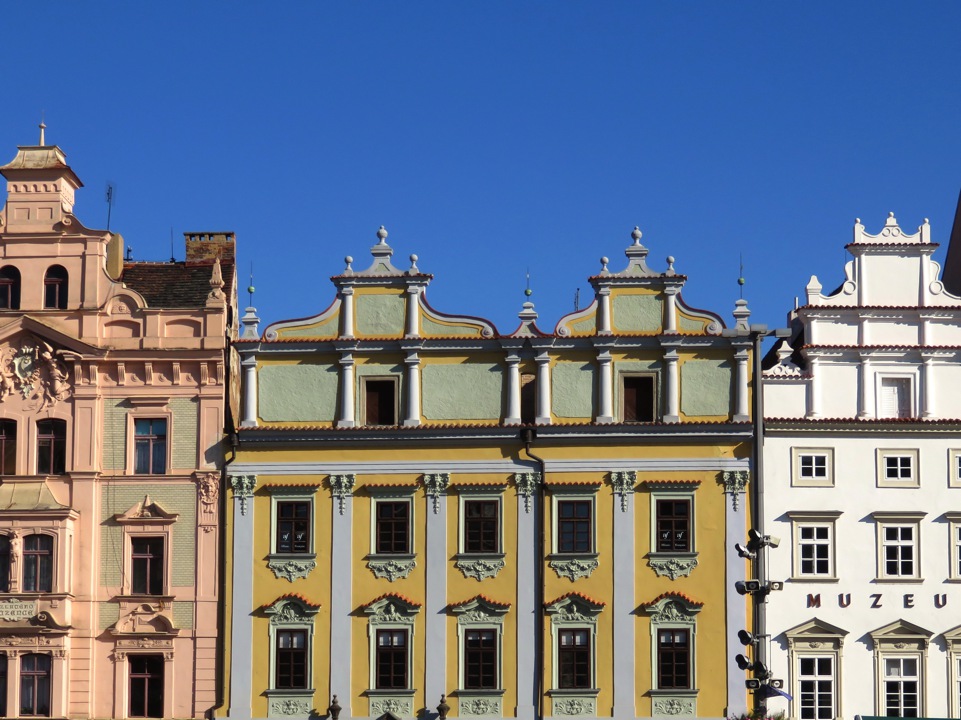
(175, 284)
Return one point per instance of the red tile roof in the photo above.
(484, 598)
(295, 596)
(394, 596)
(675, 596)
(577, 596)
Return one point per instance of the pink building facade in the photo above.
(112, 402)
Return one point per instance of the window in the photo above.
(55, 288)
(673, 525)
(637, 398)
(392, 531)
(51, 447)
(528, 398)
(897, 468)
(816, 681)
(954, 535)
(481, 526)
(673, 659)
(8, 447)
(901, 687)
(480, 660)
(4, 565)
(480, 624)
(293, 527)
(38, 563)
(814, 550)
(147, 565)
(898, 545)
(291, 659)
(9, 288)
(575, 526)
(150, 446)
(574, 659)
(954, 468)
(35, 685)
(146, 686)
(3, 685)
(380, 401)
(895, 399)
(812, 467)
(391, 659)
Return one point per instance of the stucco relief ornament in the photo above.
(39, 375)
(291, 706)
(391, 705)
(526, 486)
(480, 706)
(673, 567)
(291, 570)
(575, 568)
(574, 706)
(785, 367)
(208, 488)
(735, 483)
(341, 488)
(243, 486)
(391, 569)
(672, 706)
(623, 484)
(434, 486)
(480, 569)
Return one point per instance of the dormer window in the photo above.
(9, 288)
(55, 288)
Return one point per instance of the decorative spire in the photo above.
(740, 279)
(741, 314)
(251, 288)
(527, 290)
(217, 283)
(43, 126)
(670, 266)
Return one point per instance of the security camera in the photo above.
(772, 541)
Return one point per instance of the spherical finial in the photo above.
(636, 234)
(670, 259)
(251, 289)
(741, 281)
(414, 259)
(857, 220)
(382, 233)
(528, 292)
(348, 259)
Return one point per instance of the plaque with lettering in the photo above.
(11, 610)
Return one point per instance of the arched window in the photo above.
(51, 447)
(38, 563)
(9, 288)
(4, 563)
(55, 288)
(8, 447)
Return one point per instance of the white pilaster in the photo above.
(735, 528)
(413, 311)
(544, 388)
(347, 312)
(527, 613)
(513, 390)
(927, 385)
(624, 606)
(605, 390)
(249, 365)
(604, 311)
(346, 391)
(341, 569)
(672, 389)
(814, 391)
(435, 663)
(670, 309)
(866, 400)
(413, 390)
(741, 413)
(242, 597)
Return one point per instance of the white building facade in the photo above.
(863, 487)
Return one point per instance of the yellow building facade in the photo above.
(431, 517)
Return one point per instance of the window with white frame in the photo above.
(814, 545)
(291, 630)
(815, 650)
(812, 467)
(292, 553)
(901, 656)
(573, 531)
(901, 687)
(390, 629)
(895, 397)
(480, 624)
(898, 545)
(481, 533)
(574, 642)
(673, 632)
(897, 468)
(149, 436)
(673, 543)
(952, 638)
(954, 468)
(391, 532)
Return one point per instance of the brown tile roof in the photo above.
(893, 244)
(676, 596)
(428, 427)
(177, 284)
(486, 599)
(671, 483)
(866, 421)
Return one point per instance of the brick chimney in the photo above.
(205, 247)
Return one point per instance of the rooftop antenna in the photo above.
(527, 291)
(129, 257)
(109, 202)
(577, 299)
(740, 279)
(172, 258)
(251, 288)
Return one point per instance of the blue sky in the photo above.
(493, 137)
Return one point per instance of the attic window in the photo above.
(637, 398)
(380, 401)
(55, 288)
(896, 400)
(9, 288)
(528, 398)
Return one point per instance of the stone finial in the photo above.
(443, 708)
(250, 324)
(741, 314)
(637, 234)
(413, 265)
(382, 235)
(42, 126)
(604, 261)
(216, 283)
(670, 266)
(348, 270)
(334, 709)
(813, 290)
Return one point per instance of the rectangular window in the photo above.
(35, 685)
(391, 660)
(575, 526)
(150, 446)
(673, 659)
(895, 400)
(4, 566)
(481, 526)
(51, 447)
(814, 550)
(146, 686)
(528, 398)
(637, 398)
(812, 467)
(956, 556)
(392, 531)
(38, 563)
(380, 401)
(291, 660)
(673, 525)
(147, 566)
(574, 658)
(816, 683)
(898, 551)
(8, 447)
(480, 660)
(897, 468)
(3, 686)
(901, 687)
(293, 527)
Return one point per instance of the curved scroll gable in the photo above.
(694, 321)
(580, 323)
(323, 325)
(435, 324)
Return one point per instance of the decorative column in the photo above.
(735, 526)
(513, 390)
(413, 310)
(413, 390)
(604, 311)
(741, 413)
(341, 568)
(249, 365)
(543, 388)
(347, 312)
(435, 664)
(927, 385)
(670, 309)
(528, 492)
(866, 403)
(605, 390)
(814, 391)
(242, 597)
(622, 483)
(672, 388)
(346, 391)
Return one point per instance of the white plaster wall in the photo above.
(788, 396)
(840, 332)
(944, 333)
(947, 391)
(839, 390)
(895, 332)
(892, 279)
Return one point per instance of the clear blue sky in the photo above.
(492, 137)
